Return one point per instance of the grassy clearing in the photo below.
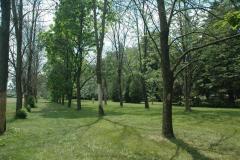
(55, 132)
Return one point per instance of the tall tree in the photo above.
(17, 10)
(4, 54)
(99, 40)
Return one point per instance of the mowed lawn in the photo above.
(55, 132)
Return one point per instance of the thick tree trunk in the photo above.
(105, 92)
(4, 54)
(100, 100)
(79, 107)
(167, 128)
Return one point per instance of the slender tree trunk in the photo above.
(120, 86)
(99, 46)
(31, 40)
(4, 54)
(18, 24)
(144, 69)
(105, 91)
(70, 97)
(187, 90)
(63, 100)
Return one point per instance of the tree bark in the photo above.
(167, 75)
(99, 46)
(105, 92)
(4, 55)
(79, 107)
(187, 90)
(120, 86)
(18, 25)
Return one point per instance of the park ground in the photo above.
(55, 132)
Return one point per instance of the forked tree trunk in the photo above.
(4, 54)
(99, 47)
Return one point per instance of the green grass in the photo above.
(55, 132)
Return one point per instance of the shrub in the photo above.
(115, 92)
(28, 108)
(21, 114)
(31, 101)
(135, 90)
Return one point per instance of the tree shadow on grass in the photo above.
(53, 110)
(194, 152)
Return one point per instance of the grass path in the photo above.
(55, 132)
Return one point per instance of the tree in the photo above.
(169, 69)
(4, 54)
(18, 25)
(99, 39)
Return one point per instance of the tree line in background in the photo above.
(182, 52)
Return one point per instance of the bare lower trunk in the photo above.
(100, 100)
(187, 90)
(105, 93)
(19, 95)
(4, 55)
(79, 105)
(2, 112)
(120, 87)
(167, 128)
(70, 98)
(63, 100)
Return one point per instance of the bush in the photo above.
(21, 114)
(115, 92)
(28, 108)
(135, 90)
(31, 101)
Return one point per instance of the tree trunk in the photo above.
(120, 86)
(167, 75)
(187, 90)
(70, 97)
(63, 100)
(105, 92)
(231, 98)
(167, 128)
(18, 24)
(79, 107)
(99, 47)
(4, 54)
(100, 100)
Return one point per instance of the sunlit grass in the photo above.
(55, 132)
